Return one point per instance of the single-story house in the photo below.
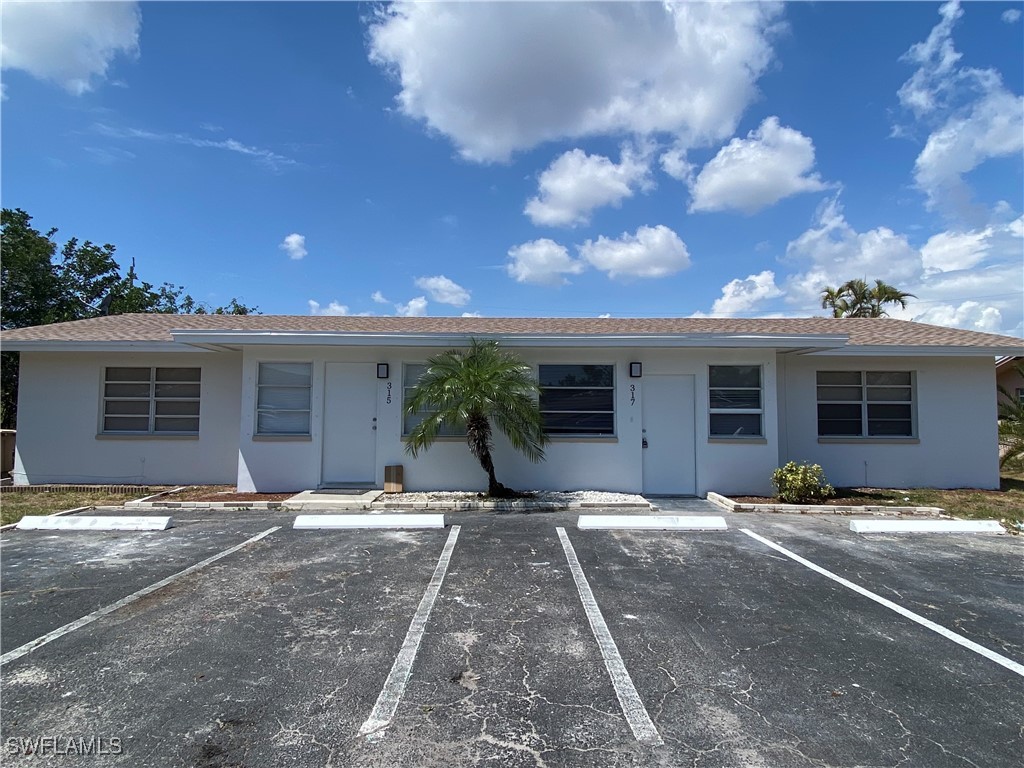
(658, 406)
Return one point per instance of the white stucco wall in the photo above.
(60, 402)
(956, 444)
(614, 464)
(59, 408)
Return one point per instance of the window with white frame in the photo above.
(577, 400)
(151, 400)
(865, 403)
(410, 377)
(735, 402)
(283, 398)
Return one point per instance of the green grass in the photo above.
(1006, 504)
(14, 506)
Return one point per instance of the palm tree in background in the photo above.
(1011, 427)
(855, 298)
(469, 389)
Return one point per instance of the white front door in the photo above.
(350, 424)
(669, 449)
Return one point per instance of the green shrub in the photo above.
(800, 483)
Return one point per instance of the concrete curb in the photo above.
(824, 509)
(469, 506)
(205, 504)
(927, 526)
(11, 526)
(452, 506)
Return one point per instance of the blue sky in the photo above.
(530, 158)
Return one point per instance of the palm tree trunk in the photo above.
(478, 435)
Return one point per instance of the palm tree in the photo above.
(470, 389)
(1011, 426)
(855, 299)
(832, 298)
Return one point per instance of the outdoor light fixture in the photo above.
(382, 370)
(636, 370)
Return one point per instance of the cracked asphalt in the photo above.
(276, 654)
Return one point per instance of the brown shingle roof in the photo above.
(157, 328)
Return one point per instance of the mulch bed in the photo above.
(850, 497)
(222, 493)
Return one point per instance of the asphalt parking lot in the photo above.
(346, 648)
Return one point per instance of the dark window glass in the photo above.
(136, 398)
(577, 399)
(839, 377)
(735, 398)
(576, 376)
(735, 425)
(735, 376)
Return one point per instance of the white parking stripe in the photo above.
(632, 707)
(387, 702)
(100, 613)
(1011, 665)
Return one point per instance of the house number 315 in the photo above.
(389, 393)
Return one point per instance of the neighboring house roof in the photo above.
(1007, 362)
(214, 330)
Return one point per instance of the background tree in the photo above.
(38, 287)
(1011, 427)
(470, 389)
(855, 298)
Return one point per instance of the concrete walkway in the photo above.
(688, 504)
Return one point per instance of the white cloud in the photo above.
(378, 297)
(993, 127)
(936, 58)
(971, 115)
(471, 314)
(415, 308)
(71, 44)
(576, 183)
(836, 253)
(740, 296)
(968, 279)
(334, 308)
(950, 251)
(675, 164)
(651, 252)
(604, 68)
(1011, 16)
(443, 290)
(265, 156)
(109, 155)
(294, 245)
(543, 262)
(749, 174)
(970, 315)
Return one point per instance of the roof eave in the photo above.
(53, 345)
(318, 338)
(920, 350)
